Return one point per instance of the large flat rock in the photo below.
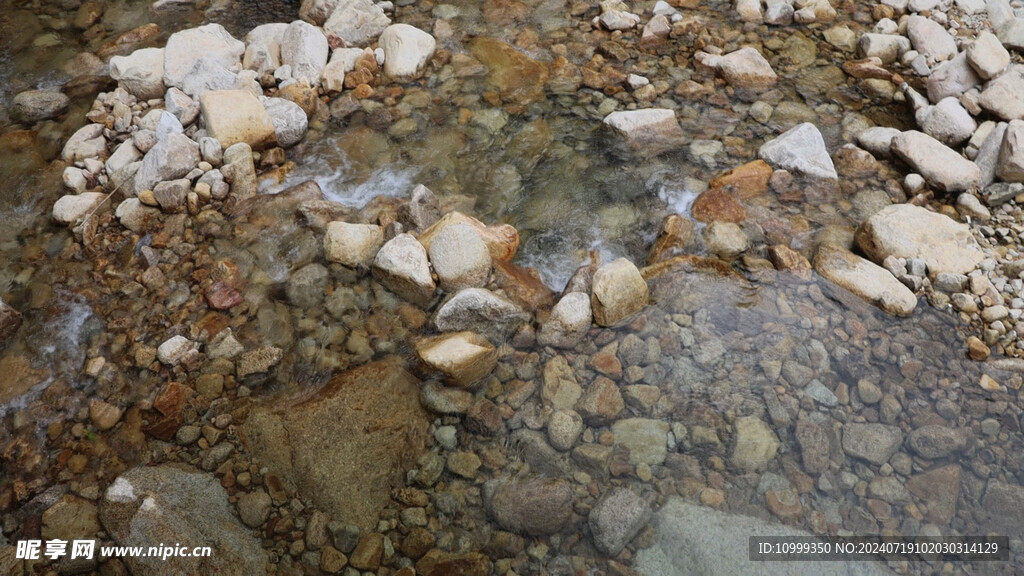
(348, 445)
(908, 231)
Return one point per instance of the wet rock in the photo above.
(813, 436)
(263, 48)
(355, 23)
(289, 120)
(460, 257)
(10, 321)
(936, 441)
(258, 361)
(618, 20)
(941, 166)
(518, 78)
(646, 439)
(72, 208)
(865, 279)
(464, 357)
(886, 47)
(616, 519)
(352, 244)
(1001, 95)
(875, 443)
(502, 241)
(35, 105)
(1003, 504)
(186, 48)
(105, 416)
(87, 142)
(347, 446)
(948, 122)
(441, 400)
(745, 68)
(254, 508)
(756, 444)
(800, 149)
(233, 116)
(568, 322)
(158, 504)
(699, 541)
(70, 518)
(939, 489)
(521, 285)
(619, 291)
(422, 210)
(930, 39)
(559, 390)
(725, 240)
(173, 157)
(406, 50)
(307, 285)
(401, 265)
(304, 47)
(601, 403)
(914, 232)
(141, 73)
(651, 129)
(537, 507)
(718, 205)
(481, 311)
(987, 55)
(240, 170)
(564, 428)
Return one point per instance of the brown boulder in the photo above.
(349, 444)
(745, 181)
(717, 205)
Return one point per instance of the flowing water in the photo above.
(719, 345)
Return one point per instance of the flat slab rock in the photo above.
(908, 231)
(653, 128)
(694, 540)
(939, 164)
(865, 279)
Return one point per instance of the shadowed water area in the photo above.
(755, 392)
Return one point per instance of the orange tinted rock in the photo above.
(785, 258)
(717, 205)
(522, 285)
(518, 78)
(745, 181)
(675, 236)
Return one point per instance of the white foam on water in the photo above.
(556, 264)
(679, 200)
(333, 172)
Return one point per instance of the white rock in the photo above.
(210, 42)
(481, 311)
(618, 20)
(171, 158)
(464, 357)
(207, 75)
(948, 122)
(332, 79)
(289, 120)
(749, 10)
(406, 50)
(181, 106)
(887, 47)
(1011, 154)
(318, 11)
(304, 47)
(401, 265)
(174, 349)
(134, 215)
(782, 14)
(352, 244)
(141, 73)
(930, 38)
(654, 129)
(941, 166)
(74, 179)
(745, 68)
(912, 232)
(87, 142)
(987, 55)
(263, 48)
(865, 279)
(460, 257)
(355, 23)
(877, 140)
(568, 322)
(73, 207)
(125, 154)
(800, 149)
(233, 116)
(952, 79)
(347, 57)
(1004, 96)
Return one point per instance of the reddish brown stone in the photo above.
(675, 237)
(221, 296)
(785, 504)
(417, 543)
(746, 181)
(605, 360)
(523, 286)
(717, 205)
(939, 490)
(785, 258)
(484, 417)
(601, 403)
(368, 552)
(172, 399)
